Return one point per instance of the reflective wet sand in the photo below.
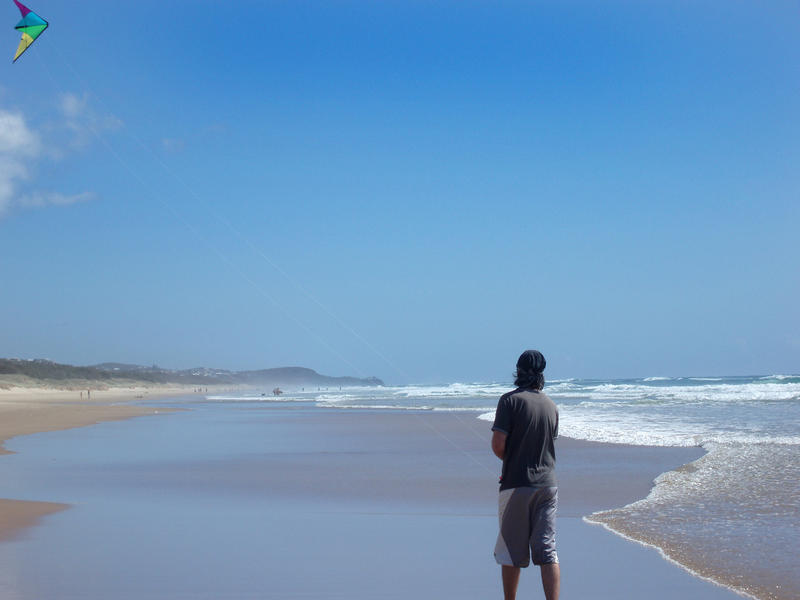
(290, 502)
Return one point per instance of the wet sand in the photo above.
(24, 411)
(280, 501)
(17, 515)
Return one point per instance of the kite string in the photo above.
(258, 252)
(204, 239)
(454, 444)
(238, 233)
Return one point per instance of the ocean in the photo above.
(733, 516)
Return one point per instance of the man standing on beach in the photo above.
(525, 427)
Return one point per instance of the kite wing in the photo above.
(31, 26)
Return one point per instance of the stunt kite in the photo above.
(31, 26)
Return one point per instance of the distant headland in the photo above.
(16, 372)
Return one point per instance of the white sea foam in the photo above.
(452, 390)
(480, 409)
(715, 514)
(562, 387)
(252, 399)
(678, 412)
(657, 411)
(637, 430)
(375, 406)
(782, 377)
(333, 398)
(718, 392)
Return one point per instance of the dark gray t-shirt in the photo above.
(530, 420)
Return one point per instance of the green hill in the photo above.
(15, 371)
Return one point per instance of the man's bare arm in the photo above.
(499, 444)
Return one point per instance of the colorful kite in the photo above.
(31, 26)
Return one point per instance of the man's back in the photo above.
(530, 421)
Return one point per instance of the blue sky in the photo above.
(412, 190)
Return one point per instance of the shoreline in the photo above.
(643, 522)
(31, 410)
(620, 475)
(587, 519)
(18, 515)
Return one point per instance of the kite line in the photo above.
(258, 252)
(232, 228)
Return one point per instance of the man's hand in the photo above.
(499, 444)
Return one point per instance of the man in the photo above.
(525, 427)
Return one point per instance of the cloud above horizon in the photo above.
(22, 148)
(42, 199)
(82, 121)
(18, 145)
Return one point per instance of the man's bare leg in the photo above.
(551, 580)
(510, 582)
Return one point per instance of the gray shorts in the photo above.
(527, 526)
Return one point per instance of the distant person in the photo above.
(525, 427)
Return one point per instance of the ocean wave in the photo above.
(452, 390)
(460, 409)
(659, 430)
(676, 412)
(782, 378)
(698, 516)
(426, 407)
(593, 431)
(561, 387)
(647, 430)
(255, 399)
(334, 397)
(375, 406)
(710, 392)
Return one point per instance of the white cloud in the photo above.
(72, 106)
(82, 121)
(173, 144)
(41, 199)
(15, 136)
(21, 148)
(18, 144)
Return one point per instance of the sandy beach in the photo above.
(25, 411)
(281, 502)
